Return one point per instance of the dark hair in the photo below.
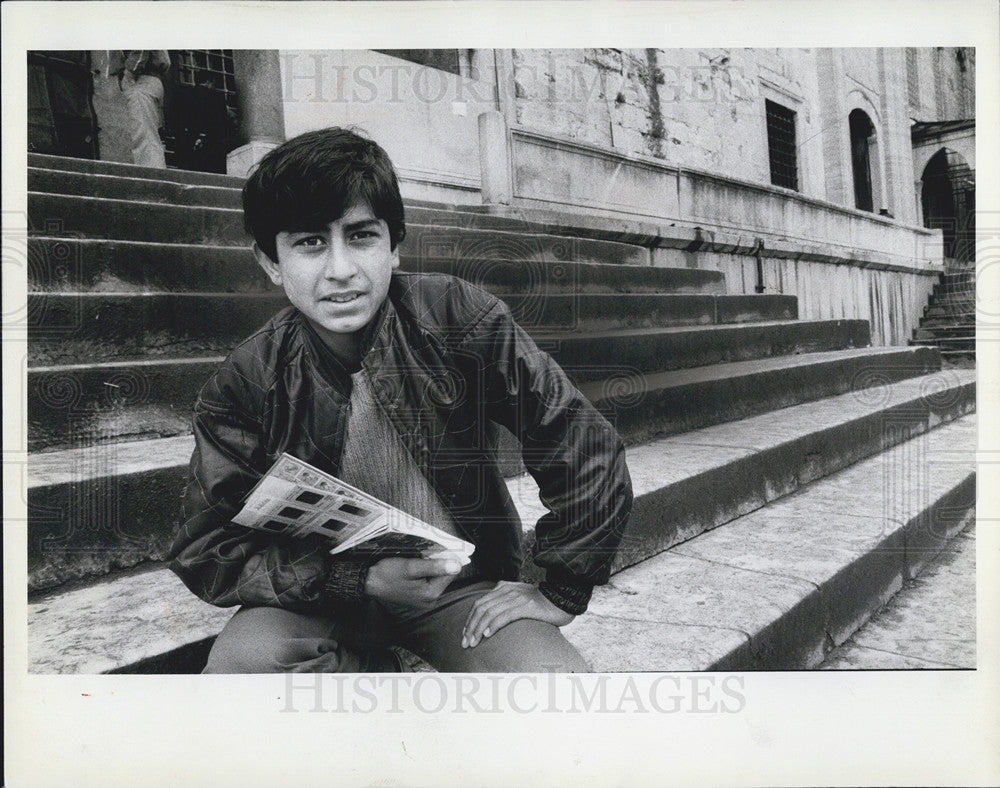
(313, 179)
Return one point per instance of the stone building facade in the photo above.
(798, 170)
(801, 159)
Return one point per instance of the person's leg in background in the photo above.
(145, 110)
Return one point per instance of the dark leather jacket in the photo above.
(445, 359)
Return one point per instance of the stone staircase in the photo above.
(811, 447)
(949, 320)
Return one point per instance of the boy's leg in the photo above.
(272, 640)
(524, 646)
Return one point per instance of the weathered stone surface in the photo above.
(75, 265)
(93, 631)
(93, 167)
(931, 624)
(768, 591)
(614, 644)
(139, 188)
(680, 590)
(856, 562)
(84, 404)
(644, 407)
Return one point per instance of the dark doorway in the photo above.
(948, 198)
(862, 131)
(60, 104)
(200, 109)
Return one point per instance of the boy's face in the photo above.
(338, 275)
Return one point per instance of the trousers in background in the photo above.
(144, 95)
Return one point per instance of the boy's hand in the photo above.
(411, 582)
(506, 603)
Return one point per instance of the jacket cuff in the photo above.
(346, 582)
(566, 592)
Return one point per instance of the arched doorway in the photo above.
(948, 198)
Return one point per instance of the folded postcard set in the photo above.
(296, 499)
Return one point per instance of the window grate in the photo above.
(194, 65)
(781, 147)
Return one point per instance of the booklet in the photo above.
(296, 499)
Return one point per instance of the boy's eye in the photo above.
(309, 240)
(362, 235)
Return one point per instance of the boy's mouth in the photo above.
(342, 298)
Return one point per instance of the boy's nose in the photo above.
(339, 263)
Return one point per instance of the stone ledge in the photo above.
(776, 589)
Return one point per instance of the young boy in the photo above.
(389, 381)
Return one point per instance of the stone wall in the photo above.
(946, 83)
(700, 108)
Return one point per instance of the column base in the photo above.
(241, 160)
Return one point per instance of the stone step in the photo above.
(704, 477)
(968, 319)
(74, 405)
(68, 327)
(149, 622)
(777, 589)
(951, 300)
(142, 189)
(119, 397)
(963, 359)
(117, 169)
(929, 625)
(645, 407)
(936, 312)
(550, 222)
(588, 357)
(84, 264)
(434, 242)
(541, 278)
(183, 188)
(944, 331)
(109, 325)
(74, 216)
(946, 287)
(955, 303)
(949, 343)
(83, 404)
(959, 277)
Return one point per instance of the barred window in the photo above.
(195, 66)
(781, 147)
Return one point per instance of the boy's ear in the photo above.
(270, 267)
(395, 257)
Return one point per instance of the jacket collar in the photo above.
(375, 342)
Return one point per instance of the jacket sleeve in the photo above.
(228, 564)
(573, 453)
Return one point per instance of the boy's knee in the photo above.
(529, 646)
(268, 640)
